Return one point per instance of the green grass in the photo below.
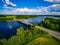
(43, 41)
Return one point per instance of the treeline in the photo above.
(51, 23)
(25, 16)
(32, 36)
(20, 16)
(10, 17)
(6, 18)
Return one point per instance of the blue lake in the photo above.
(36, 20)
(8, 29)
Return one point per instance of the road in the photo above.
(51, 32)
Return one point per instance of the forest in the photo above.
(32, 36)
(51, 23)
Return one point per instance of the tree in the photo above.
(28, 36)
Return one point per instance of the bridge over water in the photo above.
(51, 32)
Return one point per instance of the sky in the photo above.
(30, 7)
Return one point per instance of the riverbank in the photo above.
(6, 18)
(11, 18)
(51, 23)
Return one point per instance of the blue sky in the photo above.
(31, 7)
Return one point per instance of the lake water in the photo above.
(36, 20)
(8, 29)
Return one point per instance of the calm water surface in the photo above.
(8, 29)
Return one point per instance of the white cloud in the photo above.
(52, 0)
(38, 11)
(49, 0)
(8, 2)
(25, 11)
(56, 6)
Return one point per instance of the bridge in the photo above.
(24, 22)
(50, 32)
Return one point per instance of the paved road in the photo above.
(51, 32)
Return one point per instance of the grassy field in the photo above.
(43, 41)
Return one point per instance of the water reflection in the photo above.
(10, 27)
